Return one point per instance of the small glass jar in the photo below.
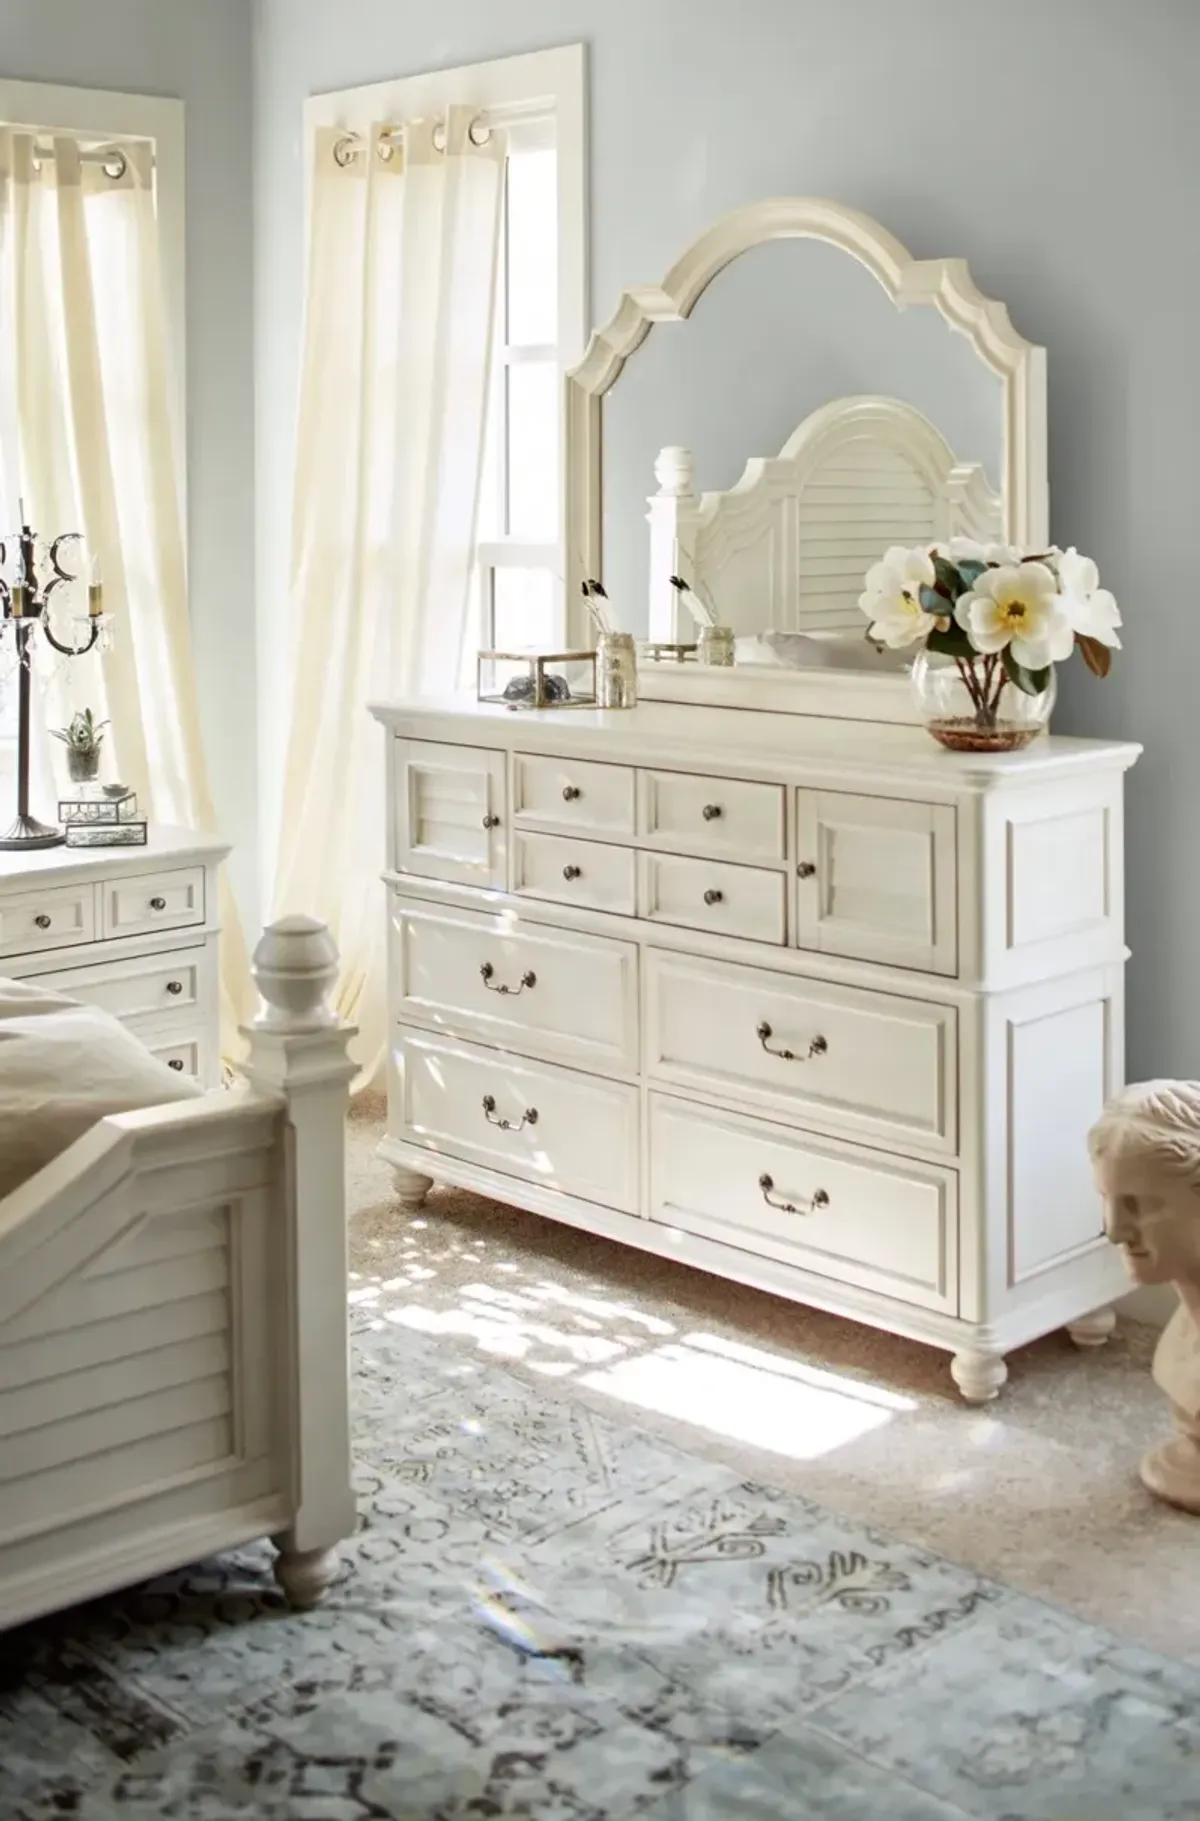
(971, 705)
(616, 670)
(716, 645)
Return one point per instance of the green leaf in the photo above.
(1029, 682)
(970, 569)
(952, 643)
(933, 602)
(947, 579)
(1096, 656)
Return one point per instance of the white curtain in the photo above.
(404, 236)
(86, 441)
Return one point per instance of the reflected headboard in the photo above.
(786, 549)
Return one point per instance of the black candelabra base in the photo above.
(28, 832)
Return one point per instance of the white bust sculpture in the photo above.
(1145, 1151)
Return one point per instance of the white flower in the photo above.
(1090, 611)
(891, 598)
(1017, 605)
(967, 550)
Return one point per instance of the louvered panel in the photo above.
(81, 1301)
(90, 1389)
(28, 1362)
(165, 1238)
(80, 1487)
(33, 1453)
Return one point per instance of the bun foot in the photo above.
(1093, 1330)
(306, 1575)
(979, 1376)
(411, 1187)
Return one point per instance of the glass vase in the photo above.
(971, 705)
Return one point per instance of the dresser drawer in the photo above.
(853, 1060)
(845, 1213)
(574, 872)
(543, 992)
(572, 796)
(564, 1131)
(147, 902)
(877, 879)
(150, 986)
(185, 1054)
(709, 895)
(54, 918)
(722, 816)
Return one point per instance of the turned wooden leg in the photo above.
(978, 1376)
(306, 1575)
(1093, 1330)
(411, 1187)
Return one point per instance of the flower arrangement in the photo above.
(1002, 620)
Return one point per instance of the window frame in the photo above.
(519, 94)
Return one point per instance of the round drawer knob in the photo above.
(572, 872)
(571, 793)
(806, 869)
(158, 904)
(175, 1062)
(174, 986)
(711, 811)
(491, 821)
(42, 920)
(712, 896)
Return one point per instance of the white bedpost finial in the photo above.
(295, 964)
(674, 471)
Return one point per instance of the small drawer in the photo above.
(586, 873)
(558, 994)
(572, 796)
(841, 1212)
(54, 918)
(705, 894)
(574, 1133)
(870, 1064)
(149, 987)
(185, 1055)
(726, 817)
(152, 901)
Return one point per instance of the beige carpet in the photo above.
(1039, 1489)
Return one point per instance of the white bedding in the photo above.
(63, 1066)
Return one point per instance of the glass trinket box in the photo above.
(106, 834)
(98, 804)
(537, 679)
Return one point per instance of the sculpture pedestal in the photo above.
(1172, 1470)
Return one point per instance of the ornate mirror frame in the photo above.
(944, 284)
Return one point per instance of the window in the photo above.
(541, 321)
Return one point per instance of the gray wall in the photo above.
(203, 54)
(1054, 143)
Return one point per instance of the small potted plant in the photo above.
(83, 738)
(987, 625)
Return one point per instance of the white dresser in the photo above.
(132, 929)
(809, 1004)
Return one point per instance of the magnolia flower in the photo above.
(1017, 605)
(967, 550)
(1090, 611)
(892, 597)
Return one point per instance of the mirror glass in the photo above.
(864, 425)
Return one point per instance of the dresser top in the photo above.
(699, 738)
(164, 846)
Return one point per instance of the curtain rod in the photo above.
(350, 145)
(111, 157)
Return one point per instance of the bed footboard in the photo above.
(173, 1333)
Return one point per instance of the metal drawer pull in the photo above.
(819, 1199)
(806, 869)
(572, 872)
(491, 821)
(528, 1117)
(175, 1062)
(712, 896)
(174, 986)
(571, 793)
(158, 904)
(818, 1046)
(42, 920)
(487, 974)
(711, 811)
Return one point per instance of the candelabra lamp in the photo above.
(32, 574)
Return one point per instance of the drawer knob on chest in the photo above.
(571, 793)
(819, 1199)
(572, 872)
(487, 974)
(175, 1062)
(528, 1117)
(42, 920)
(713, 896)
(491, 821)
(806, 869)
(711, 811)
(175, 986)
(158, 904)
(818, 1046)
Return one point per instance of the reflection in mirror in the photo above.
(822, 424)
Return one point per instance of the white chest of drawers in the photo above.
(131, 929)
(809, 1004)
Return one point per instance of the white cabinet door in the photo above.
(877, 880)
(451, 813)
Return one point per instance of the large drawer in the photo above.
(572, 796)
(870, 1064)
(855, 1216)
(148, 987)
(727, 817)
(545, 992)
(546, 1125)
(742, 901)
(54, 917)
(586, 873)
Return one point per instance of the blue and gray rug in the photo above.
(549, 1615)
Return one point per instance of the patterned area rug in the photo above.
(548, 1615)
